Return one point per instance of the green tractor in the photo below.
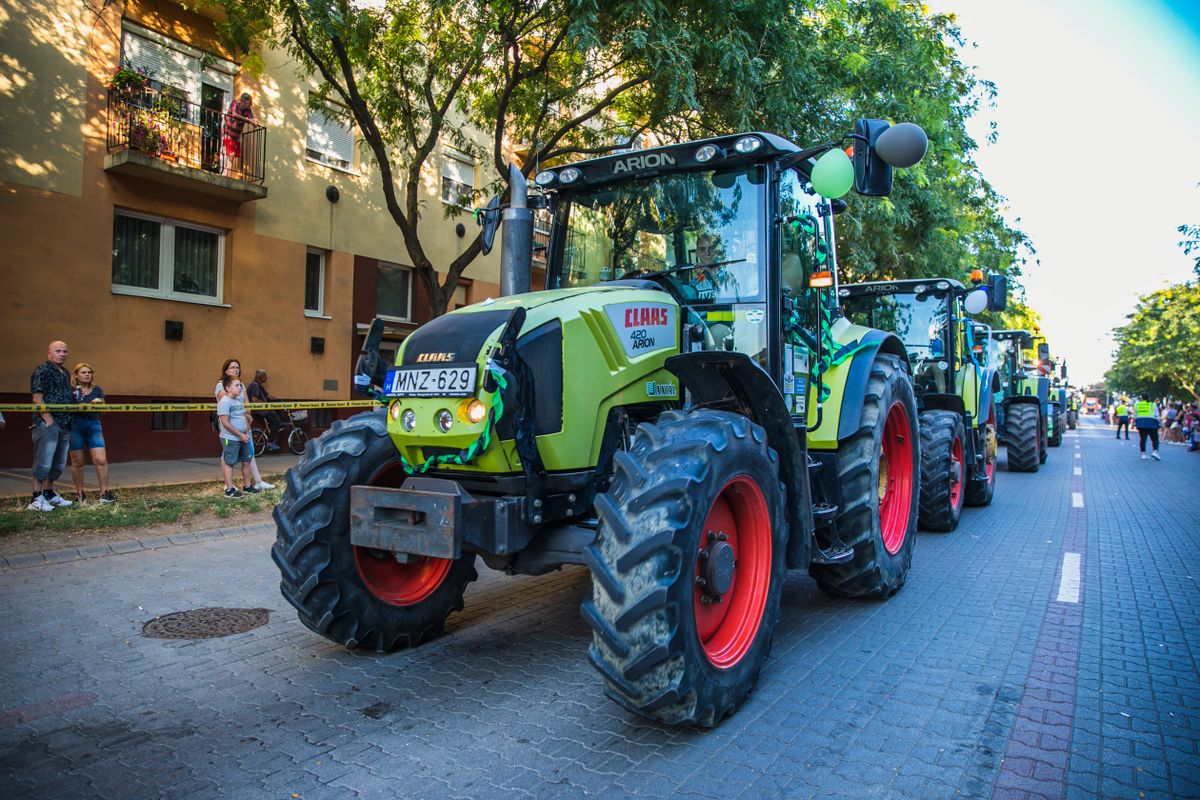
(1026, 419)
(954, 385)
(678, 410)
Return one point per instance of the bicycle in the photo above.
(295, 423)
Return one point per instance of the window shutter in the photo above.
(459, 171)
(164, 64)
(330, 137)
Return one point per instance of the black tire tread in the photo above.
(938, 431)
(1022, 437)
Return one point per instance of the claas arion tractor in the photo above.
(681, 409)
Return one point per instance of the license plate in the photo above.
(454, 381)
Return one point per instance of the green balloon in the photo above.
(833, 174)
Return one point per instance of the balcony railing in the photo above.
(167, 127)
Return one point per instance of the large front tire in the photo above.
(981, 486)
(878, 472)
(356, 596)
(943, 470)
(687, 567)
(1023, 438)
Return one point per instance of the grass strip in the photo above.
(140, 507)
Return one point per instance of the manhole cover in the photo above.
(205, 623)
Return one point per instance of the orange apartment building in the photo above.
(129, 236)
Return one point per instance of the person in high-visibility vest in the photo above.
(1123, 417)
(1147, 425)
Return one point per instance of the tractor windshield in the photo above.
(700, 228)
(921, 320)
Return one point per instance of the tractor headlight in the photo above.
(569, 175)
(473, 410)
(394, 410)
(747, 144)
(444, 420)
(545, 178)
(706, 152)
(408, 420)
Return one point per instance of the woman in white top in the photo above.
(234, 367)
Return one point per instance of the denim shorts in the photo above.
(86, 434)
(235, 452)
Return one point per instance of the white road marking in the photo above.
(1068, 584)
(1076, 499)
(1078, 456)
(1078, 471)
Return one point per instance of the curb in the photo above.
(69, 554)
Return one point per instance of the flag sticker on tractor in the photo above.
(643, 327)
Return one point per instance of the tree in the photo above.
(557, 80)
(1191, 244)
(1157, 350)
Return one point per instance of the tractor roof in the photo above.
(669, 158)
(910, 286)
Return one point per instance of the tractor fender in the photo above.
(854, 386)
(730, 380)
(943, 402)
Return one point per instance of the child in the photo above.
(235, 437)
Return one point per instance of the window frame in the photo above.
(319, 311)
(461, 159)
(402, 267)
(166, 262)
(325, 159)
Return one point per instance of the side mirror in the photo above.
(976, 301)
(872, 175)
(489, 219)
(1043, 352)
(997, 292)
(1064, 371)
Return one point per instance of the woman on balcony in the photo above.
(240, 112)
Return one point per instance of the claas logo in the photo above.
(646, 316)
(425, 358)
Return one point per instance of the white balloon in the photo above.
(976, 302)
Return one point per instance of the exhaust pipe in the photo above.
(516, 243)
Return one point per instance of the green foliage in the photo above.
(558, 80)
(1157, 351)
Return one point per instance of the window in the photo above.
(159, 258)
(392, 296)
(168, 421)
(458, 180)
(314, 282)
(330, 139)
(178, 71)
(320, 418)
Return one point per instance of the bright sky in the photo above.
(1098, 151)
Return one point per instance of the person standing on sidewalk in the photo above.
(234, 368)
(1147, 425)
(87, 437)
(1123, 417)
(50, 383)
(235, 438)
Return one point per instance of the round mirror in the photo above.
(902, 145)
(976, 302)
(833, 174)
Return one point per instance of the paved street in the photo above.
(993, 674)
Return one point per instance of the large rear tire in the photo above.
(943, 470)
(1023, 437)
(878, 472)
(356, 596)
(687, 567)
(1056, 427)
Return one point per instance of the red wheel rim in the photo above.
(895, 478)
(957, 474)
(390, 581)
(727, 628)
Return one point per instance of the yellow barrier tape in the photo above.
(103, 408)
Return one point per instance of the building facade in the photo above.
(133, 235)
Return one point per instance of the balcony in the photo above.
(162, 137)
